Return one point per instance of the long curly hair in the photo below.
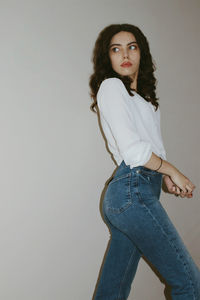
(146, 82)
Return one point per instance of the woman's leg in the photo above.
(119, 267)
(148, 226)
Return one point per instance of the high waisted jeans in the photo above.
(139, 225)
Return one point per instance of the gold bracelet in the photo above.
(160, 165)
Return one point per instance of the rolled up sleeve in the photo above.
(114, 107)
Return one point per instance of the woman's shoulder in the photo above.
(112, 84)
(111, 92)
(112, 80)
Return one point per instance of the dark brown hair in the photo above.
(146, 82)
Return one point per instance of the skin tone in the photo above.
(124, 48)
(174, 189)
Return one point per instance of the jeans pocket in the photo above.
(145, 176)
(149, 185)
(118, 196)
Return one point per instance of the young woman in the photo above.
(123, 89)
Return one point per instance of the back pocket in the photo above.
(118, 196)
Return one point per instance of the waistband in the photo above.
(123, 169)
(135, 169)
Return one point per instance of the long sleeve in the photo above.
(114, 106)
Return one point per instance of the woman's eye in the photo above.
(132, 47)
(115, 49)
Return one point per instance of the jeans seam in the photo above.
(174, 247)
(119, 295)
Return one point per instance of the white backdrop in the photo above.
(53, 159)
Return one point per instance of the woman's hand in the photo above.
(172, 188)
(182, 182)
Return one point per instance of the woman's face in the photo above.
(124, 54)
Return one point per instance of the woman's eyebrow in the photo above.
(120, 44)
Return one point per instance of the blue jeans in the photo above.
(139, 225)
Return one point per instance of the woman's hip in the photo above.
(131, 187)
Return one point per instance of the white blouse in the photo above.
(130, 124)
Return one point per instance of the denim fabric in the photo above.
(139, 225)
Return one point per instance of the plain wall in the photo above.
(53, 160)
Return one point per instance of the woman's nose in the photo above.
(125, 54)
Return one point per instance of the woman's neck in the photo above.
(134, 83)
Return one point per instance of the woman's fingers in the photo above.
(177, 190)
(188, 195)
(190, 187)
(174, 188)
(181, 193)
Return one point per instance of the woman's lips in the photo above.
(126, 65)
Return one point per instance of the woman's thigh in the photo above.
(119, 266)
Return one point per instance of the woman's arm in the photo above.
(167, 168)
(154, 163)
